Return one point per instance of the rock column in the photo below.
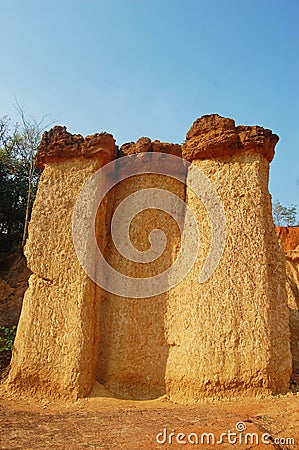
(229, 336)
(133, 348)
(54, 350)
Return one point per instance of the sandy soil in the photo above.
(104, 422)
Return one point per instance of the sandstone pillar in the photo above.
(229, 336)
(54, 351)
(133, 348)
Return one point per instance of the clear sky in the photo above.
(151, 67)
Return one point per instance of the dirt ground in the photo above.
(104, 422)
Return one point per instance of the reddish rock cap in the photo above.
(213, 136)
(58, 144)
(144, 144)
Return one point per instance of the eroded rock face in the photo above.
(226, 337)
(289, 237)
(133, 349)
(292, 285)
(13, 284)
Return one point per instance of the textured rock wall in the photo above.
(229, 336)
(289, 237)
(133, 349)
(292, 286)
(14, 278)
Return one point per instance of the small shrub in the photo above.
(7, 337)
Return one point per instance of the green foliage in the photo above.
(284, 215)
(7, 337)
(14, 189)
(18, 176)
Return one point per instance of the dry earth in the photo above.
(14, 276)
(109, 423)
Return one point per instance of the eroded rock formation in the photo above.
(235, 334)
(54, 346)
(289, 237)
(228, 336)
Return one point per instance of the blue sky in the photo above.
(151, 67)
